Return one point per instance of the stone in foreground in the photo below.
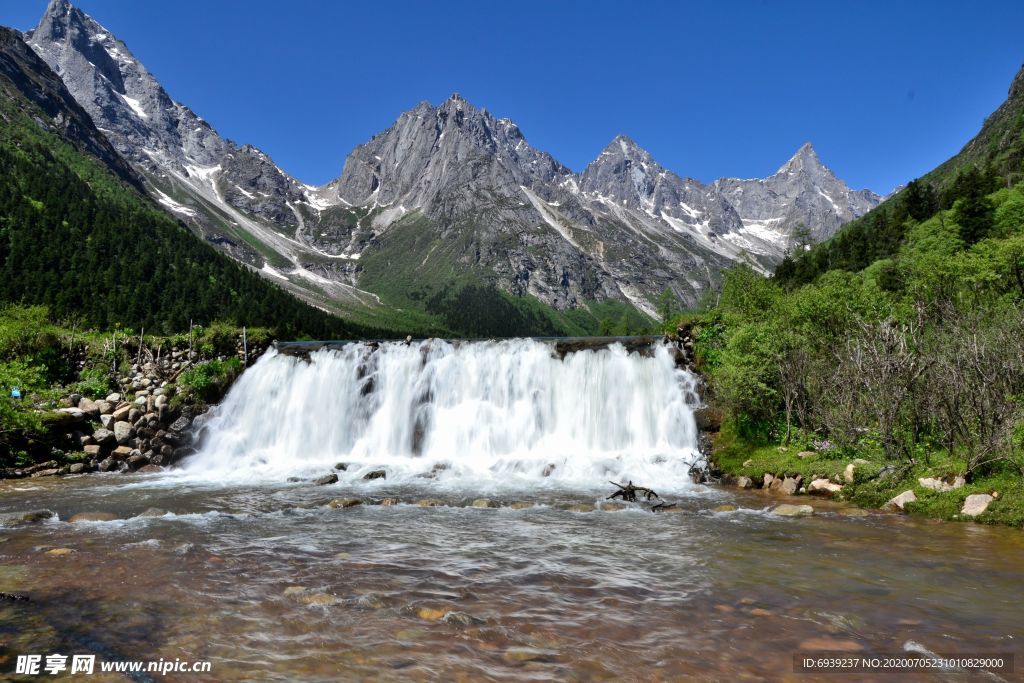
(975, 504)
(787, 510)
(899, 501)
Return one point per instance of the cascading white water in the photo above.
(487, 414)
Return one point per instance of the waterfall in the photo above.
(485, 414)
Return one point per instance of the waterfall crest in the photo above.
(489, 414)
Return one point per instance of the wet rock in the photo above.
(522, 655)
(790, 485)
(520, 505)
(461, 619)
(768, 480)
(292, 480)
(854, 512)
(611, 506)
(76, 468)
(60, 552)
(745, 482)
(901, 500)
(45, 473)
(344, 503)
(830, 644)
(181, 424)
(793, 510)
(137, 461)
(708, 419)
(428, 503)
(150, 469)
(375, 474)
(12, 519)
(107, 464)
(483, 503)
(389, 501)
(430, 614)
(823, 487)
(93, 517)
(941, 485)
(292, 591)
(728, 507)
(121, 453)
(582, 507)
(341, 466)
(318, 599)
(326, 479)
(548, 469)
(976, 504)
(152, 512)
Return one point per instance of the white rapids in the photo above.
(491, 415)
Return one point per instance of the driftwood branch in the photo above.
(628, 492)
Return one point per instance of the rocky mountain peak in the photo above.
(806, 161)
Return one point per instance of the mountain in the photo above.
(992, 159)
(803, 191)
(78, 235)
(448, 198)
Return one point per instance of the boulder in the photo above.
(745, 482)
(790, 485)
(136, 461)
(769, 479)
(901, 500)
(107, 421)
(793, 510)
(121, 414)
(341, 466)
(708, 419)
(823, 487)
(92, 450)
(114, 398)
(106, 407)
(76, 468)
(483, 503)
(150, 469)
(152, 512)
(976, 504)
(376, 474)
(941, 485)
(121, 453)
(104, 437)
(181, 424)
(89, 408)
(326, 479)
(123, 432)
(46, 473)
(11, 519)
(728, 507)
(106, 465)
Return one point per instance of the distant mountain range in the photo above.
(449, 196)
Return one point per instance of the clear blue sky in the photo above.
(884, 90)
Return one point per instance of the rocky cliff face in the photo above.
(447, 193)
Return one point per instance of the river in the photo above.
(261, 577)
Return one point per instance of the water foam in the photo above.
(491, 413)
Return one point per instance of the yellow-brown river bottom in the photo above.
(269, 584)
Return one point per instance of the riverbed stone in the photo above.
(375, 474)
(941, 485)
(745, 482)
(901, 500)
(150, 469)
(344, 503)
(727, 507)
(823, 487)
(93, 517)
(582, 507)
(786, 510)
(768, 480)
(12, 519)
(522, 655)
(428, 503)
(430, 614)
(76, 468)
(520, 505)
(483, 503)
(152, 512)
(461, 619)
(976, 504)
(326, 479)
(60, 552)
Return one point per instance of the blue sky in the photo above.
(884, 90)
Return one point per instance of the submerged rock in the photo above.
(521, 655)
(483, 503)
(152, 512)
(59, 552)
(93, 517)
(728, 507)
(344, 503)
(326, 479)
(520, 505)
(10, 519)
(376, 474)
(786, 510)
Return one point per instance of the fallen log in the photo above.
(628, 492)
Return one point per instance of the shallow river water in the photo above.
(453, 592)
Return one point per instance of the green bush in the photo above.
(208, 381)
(94, 382)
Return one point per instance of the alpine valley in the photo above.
(449, 209)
